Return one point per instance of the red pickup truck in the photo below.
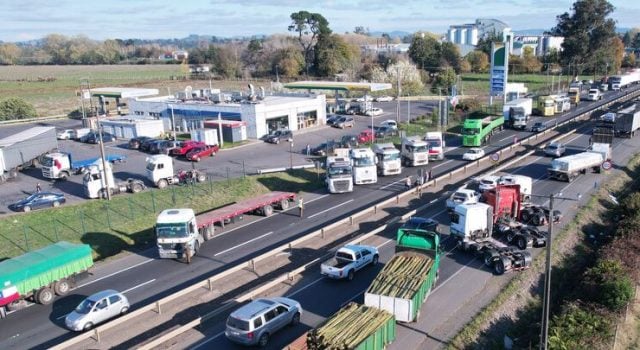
(199, 152)
(186, 147)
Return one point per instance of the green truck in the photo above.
(478, 128)
(355, 326)
(41, 274)
(405, 282)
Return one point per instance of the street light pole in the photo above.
(547, 282)
(173, 123)
(291, 153)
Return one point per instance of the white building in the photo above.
(541, 44)
(261, 115)
(466, 36)
(386, 48)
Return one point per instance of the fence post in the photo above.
(244, 172)
(55, 230)
(84, 227)
(228, 179)
(153, 201)
(106, 209)
(173, 195)
(130, 208)
(210, 184)
(26, 240)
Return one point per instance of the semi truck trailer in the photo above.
(24, 149)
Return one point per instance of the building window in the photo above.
(138, 112)
(155, 114)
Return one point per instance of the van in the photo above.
(256, 322)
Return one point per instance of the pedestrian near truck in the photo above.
(38, 187)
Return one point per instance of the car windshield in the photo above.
(468, 131)
(538, 125)
(173, 230)
(392, 156)
(552, 147)
(85, 306)
(237, 324)
(339, 170)
(363, 162)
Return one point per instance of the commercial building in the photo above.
(540, 44)
(466, 36)
(128, 127)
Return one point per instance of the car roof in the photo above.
(253, 308)
(102, 294)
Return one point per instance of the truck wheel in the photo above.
(284, 204)
(44, 296)
(63, 176)
(521, 243)
(350, 275)
(537, 220)
(208, 232)
(162, 183)
(201, 177)
(499, 267)
(136, 188)
(62, 287)
(267, 210)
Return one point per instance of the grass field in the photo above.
(478, 84)
(126, 222)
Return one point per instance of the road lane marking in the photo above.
(441, 164)
(326, 210)
(115, 273)
(243, 244)
(452, 276)
(391, 184)
(138, 286)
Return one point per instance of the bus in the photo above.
(546, 105)
(477, 130)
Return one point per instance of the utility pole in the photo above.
(398, 95)
(104, 161)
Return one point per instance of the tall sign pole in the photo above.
(499, 70)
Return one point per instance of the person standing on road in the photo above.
(407, 182)
(38, 187)
(300, 205)
(308, 149)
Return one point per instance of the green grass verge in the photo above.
(478, 83)
(125, 223)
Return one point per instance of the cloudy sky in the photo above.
(151, 19)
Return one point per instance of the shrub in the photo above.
(609, 285)
(16, 108)
(579, 326)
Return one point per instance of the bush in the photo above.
(609, 285)
(16, 108)
(580, 327)
(469, 105)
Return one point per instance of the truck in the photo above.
(574, 94)
(406, 280)
(562, 104)
(436, 143)
(546, 105)
(60, 165)
(160, 171)
(627, 124)
(348, 260)
(25, 148)
(525, 183)
(517, 112)
(180, 232)
(40, 275)
(339, 178)
(414, 151)
(364, 166)
(479, 127)
(388, 156)
(354, 326)
(619, 82)
(568, 168)
(98, 182)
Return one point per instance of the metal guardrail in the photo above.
(208, 283)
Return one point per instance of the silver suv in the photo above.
(255, 322)
(554, 149)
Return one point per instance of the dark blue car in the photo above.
(39, 200)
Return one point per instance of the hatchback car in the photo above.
(145, 145)
(156, 146)
(344, 122)
(256, 322)
(66, 134)
(473, 154)
(279, 135)
(374, 111)
(385, 131)
(324, 148)
(554, 149)
(365, 136)
(332, 119)
(39, 200)
(390, 123)
(200, 152)
(538, 127)
(488, 182)
(349, 141)
(96, 309)
(135, 142)
(186, 147)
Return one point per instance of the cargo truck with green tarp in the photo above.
(406, 280)
(479, 127)
(354, 327)
(41, 274)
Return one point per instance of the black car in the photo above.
(135, 142)
(325, 148)
(157, 146)
(332, 119)
(538, 127)
(39, 200)
(349, 141)
(95, 137)
(279, 135)
(146, 145)
(385, 131)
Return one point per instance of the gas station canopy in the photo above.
(335, 85)
(121, 93)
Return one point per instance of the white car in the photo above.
(362, 99)
(390, 124)
(374, 111)
(384, 99)
(473, 154)
(488, 182)
(96, 309)
(66, 134)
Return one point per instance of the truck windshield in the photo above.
(173, 230)
(151, 166)
(363, 162)
(467, 131)
(339, 170)
(434, 143)
(47, 161)
(417, 149)
(393, 156)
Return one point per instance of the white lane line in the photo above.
(307, 286)
(441, 164)
(115, 273)
(452, 276)
(391, 184)
(326, 210)
(138, 286)
(243, 244)
(508, 137)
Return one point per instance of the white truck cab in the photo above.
(388, 157)
(414, 151)
(364, 166)
(471, 220)
(339, 177)
(177, 233)
(436, 145)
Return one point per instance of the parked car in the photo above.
(202, 151)
(256, 322)
(554, 149)
(344, 122)
(169, 146)
(538, 127)
(279, 135)
(349, 141)
(38, 200)
(67, 134)
(488, 182)
(473, 154)
(390, 123)
(385, 131)
(135, 142)
(332, 119)
(384, 99)
(363, 99)
(146, 144)
(186, 147)
(156, 146)
(374, 112)
(94, 137)
(97, 308)
(365, 136)
(324, 148)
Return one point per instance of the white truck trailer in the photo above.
(24, 149)
(414, 151)
(339, 177)
(388, 159)
(517, 112)
(568, 168)
(364, 166)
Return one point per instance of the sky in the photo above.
(163, 19)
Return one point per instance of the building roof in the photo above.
(24, 135)
(335, 85)
(120, 92)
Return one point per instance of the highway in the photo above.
(145, 278)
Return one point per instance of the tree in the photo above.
(16, 108)
(445, 80)
(334, 55)
(629, 61)
(288, 62)
(530, 62)
(425, 52)
(361, 30)
(636, 41)
(586, 31)
(308, 26)
(484, 43)
(9, 53)
(450, 56)
(410, 81)
(478, 60)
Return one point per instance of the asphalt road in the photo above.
(145, 278)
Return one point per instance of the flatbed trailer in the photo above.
(498, 256)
